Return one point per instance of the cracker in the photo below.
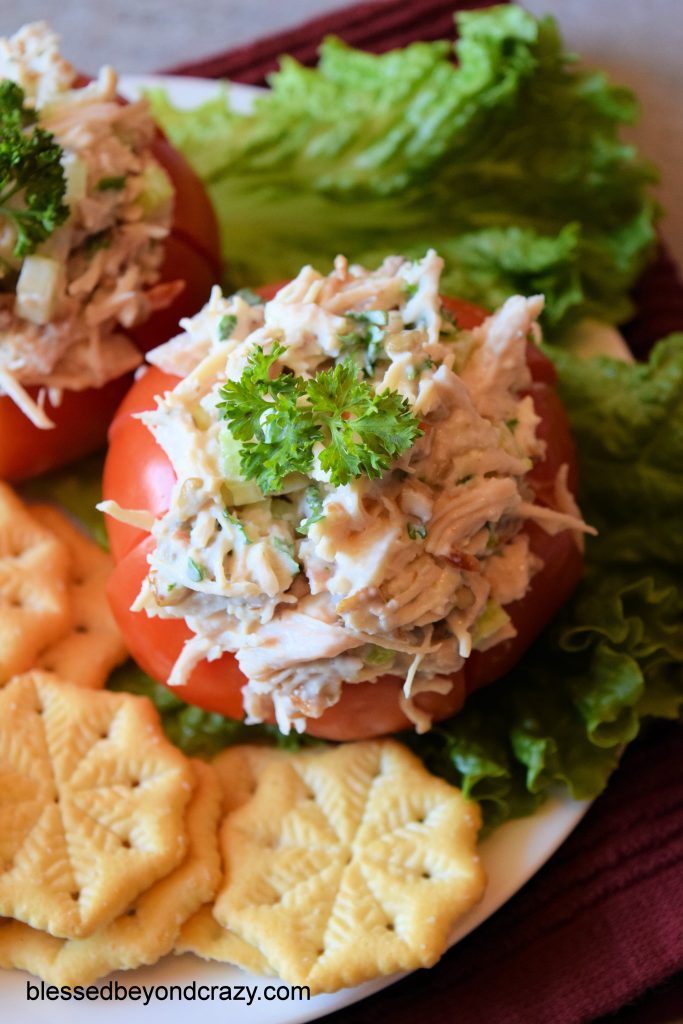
(349, 864)
(147, 930)
(206, 938)
(34, 580)
(92, 801)
(93, 646)
(238, 770)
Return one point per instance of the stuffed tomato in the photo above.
(106, 238)
(344, 508)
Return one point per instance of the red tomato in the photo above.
(138, 475)
(192, 255)
(81, 422)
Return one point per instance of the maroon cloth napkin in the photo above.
(602, 923)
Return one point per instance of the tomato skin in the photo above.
(188, 264)
(138, 475)
(194, 220)
(192, 254)
(80, 428)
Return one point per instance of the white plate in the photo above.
(510, 856)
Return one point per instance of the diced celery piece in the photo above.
(242, 492)
(75, 177)
(38, 288)
(157, 188)
(493, 618)
(374, 655)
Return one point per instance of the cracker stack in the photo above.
(53, 608)
(107, 832)
(326, 867)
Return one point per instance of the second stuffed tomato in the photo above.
(107, 240)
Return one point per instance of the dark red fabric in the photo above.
(601, 925)
(658, 296)
(380, 26)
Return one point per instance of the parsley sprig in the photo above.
(32, 183)
(280, 418)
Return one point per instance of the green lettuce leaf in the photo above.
(510, 165)
(627, 421)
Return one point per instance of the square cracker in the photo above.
(93, 646)
(35, 609)
(147, 930)
(349, 864)
(92, 803)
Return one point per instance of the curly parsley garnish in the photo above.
(281, 418)
(32, 183)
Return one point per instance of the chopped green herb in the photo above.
(410, 289)
(413, 372)
(366, 344)
(449, 325)
(493, 539)
(280, 420)
(32, 182)
(248, 296)
(195, 571)
(93, 244)
(116, 183)
(286, 548)
(511, 424)
(417, 531)
(234, 521)
(314, 506)
(465, 479)
(226, 325)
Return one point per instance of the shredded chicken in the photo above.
(406, 574)
(108, 252)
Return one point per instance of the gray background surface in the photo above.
(639, 41)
